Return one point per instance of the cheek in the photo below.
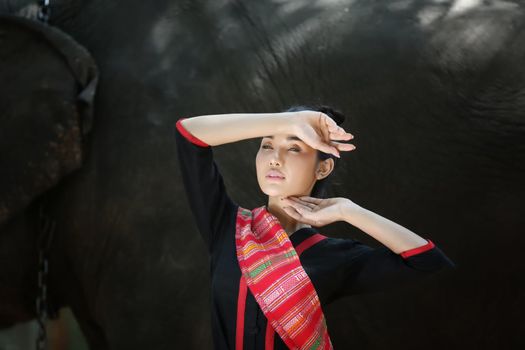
(259, 164)
(303, 168)
(258, 160)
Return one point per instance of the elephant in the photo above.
(434, 93)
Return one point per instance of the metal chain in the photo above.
(46, 230)
(44, 11)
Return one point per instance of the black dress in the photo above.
(337, 267)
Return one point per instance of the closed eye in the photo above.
(295, 149)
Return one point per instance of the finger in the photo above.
(297, 216)
(338, 131)
(309, 205)
(343, 146)
(291, 211)
(341, 136)
(299, 206)
(329, 122)
(332, 149)
(323, 147)
(312, 199)
(325, 133)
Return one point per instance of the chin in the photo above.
(273, 191)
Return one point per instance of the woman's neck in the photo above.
(289, 224)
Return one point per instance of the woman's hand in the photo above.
(315, 211)
(319, 131)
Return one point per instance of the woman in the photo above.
(272, 271)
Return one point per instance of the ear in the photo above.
(55, 119)
(324, 168)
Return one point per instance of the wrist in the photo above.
(349, 210)
(297, 119)
(288, 123)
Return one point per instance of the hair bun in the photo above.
(333, 113)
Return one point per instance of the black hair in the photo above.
(320, 188)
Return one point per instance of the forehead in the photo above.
(288, 138)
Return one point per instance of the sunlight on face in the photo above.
(293, 159)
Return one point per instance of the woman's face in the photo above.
(286, 166)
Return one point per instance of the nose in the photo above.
(275, 158)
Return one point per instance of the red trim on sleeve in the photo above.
(418, 250)
(189, 136)
(307, 243)
(241, 306)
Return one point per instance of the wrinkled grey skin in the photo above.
(434, 92)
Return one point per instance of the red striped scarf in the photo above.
(277, 280)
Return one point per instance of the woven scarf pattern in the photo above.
(277, 280)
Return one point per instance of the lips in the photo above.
(274, 174)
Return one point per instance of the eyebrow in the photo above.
(288, 138)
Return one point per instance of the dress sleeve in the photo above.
(370, 269)
(204, 186)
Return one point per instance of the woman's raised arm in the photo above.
(314, 128)
(218, 129)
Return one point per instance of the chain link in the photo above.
(46, 230)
